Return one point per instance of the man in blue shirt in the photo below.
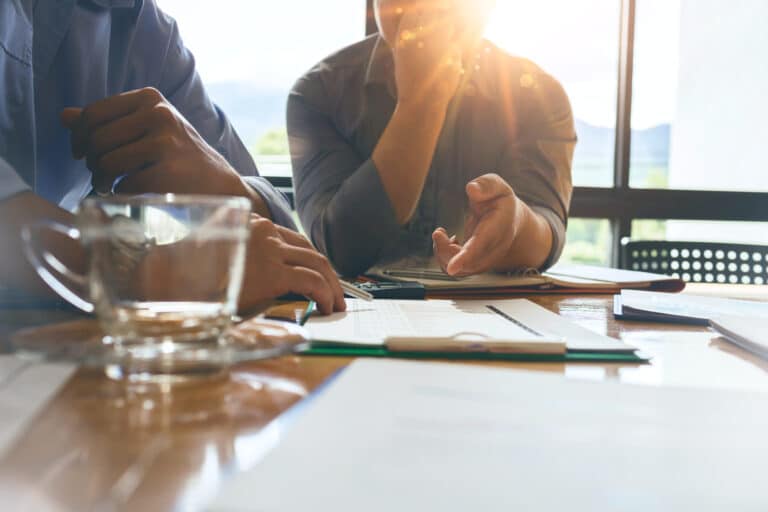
(102, 96)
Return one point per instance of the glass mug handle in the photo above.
(42, 259)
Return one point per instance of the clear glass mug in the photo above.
(162, 271)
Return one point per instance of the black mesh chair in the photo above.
(699, 262)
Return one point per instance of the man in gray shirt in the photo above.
(427, 140)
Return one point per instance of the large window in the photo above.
(250, 52)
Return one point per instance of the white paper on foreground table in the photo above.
(25, 388)
(418, 436)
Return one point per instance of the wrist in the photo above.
(433, 110)
(232, 184)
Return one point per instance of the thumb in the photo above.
(69, 116)
(487, 188)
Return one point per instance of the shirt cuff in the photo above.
(558, 235)
(360, 222)
(10, 182)
(279, 208)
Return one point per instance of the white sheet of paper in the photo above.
(25, 388)
(392, 435)
(371, 323)
(692, 306)
(749, 333)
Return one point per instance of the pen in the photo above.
(356, 292)
(302, 317)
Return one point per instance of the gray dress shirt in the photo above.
(509, 117)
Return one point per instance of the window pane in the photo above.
(755, 233)
(588, 242)
(576, 42)
(250, 52)
(699, 105)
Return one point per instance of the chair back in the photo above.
(699, 262)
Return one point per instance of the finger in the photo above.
(309, 258)
(311, 284)
(69, 116)
(115, 134)
(487, 188)
(479, 252)
(120, 105)
(294, 238)
(132, 160)
(445, 248)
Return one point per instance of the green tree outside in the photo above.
(272, 143)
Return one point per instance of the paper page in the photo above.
(749, 333)
(550, 324)
(372, 323)
(691, 306)
(582, 273)
(391, 435)
(25, 388)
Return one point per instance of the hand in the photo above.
(278, 261)
(281, 261)
(427, 54)
(140, 136)
(494, 221)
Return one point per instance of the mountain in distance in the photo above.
(255, 111)
(647, 144)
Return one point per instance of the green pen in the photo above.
(311, 307)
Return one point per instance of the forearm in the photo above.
(26, 208)
(532, 244)
(404, 155)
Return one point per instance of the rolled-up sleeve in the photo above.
(538, 162)
(339, 195)
(10, 182)
(181, 85)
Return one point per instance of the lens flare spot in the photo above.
(527, 81)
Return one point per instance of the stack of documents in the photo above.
(464, 329)
(559, 279)
(389, 435)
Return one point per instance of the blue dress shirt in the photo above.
(70, 53)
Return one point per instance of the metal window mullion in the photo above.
(622, 225)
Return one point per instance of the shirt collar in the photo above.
(381, 70)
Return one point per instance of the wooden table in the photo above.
(100, 446)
